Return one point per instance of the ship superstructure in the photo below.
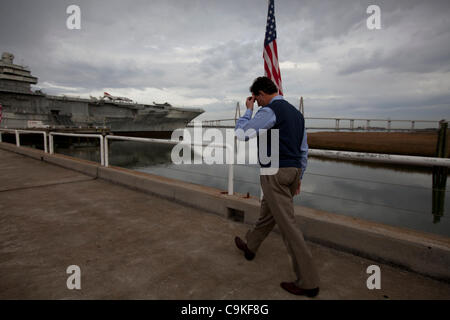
(23, 108)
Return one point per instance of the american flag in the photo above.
(270, 54)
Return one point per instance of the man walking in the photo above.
(277, 204)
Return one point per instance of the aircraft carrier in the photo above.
(22, 108)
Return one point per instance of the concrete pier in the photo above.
(132, 244)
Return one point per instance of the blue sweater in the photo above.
(291, 126)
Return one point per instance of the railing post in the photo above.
(337, 124)
(389, 125)
(230, 179)
(106, 152)
(412, 124)
(368, 125)
(45, 142)
(17, 138)
(440, 174)
(441, 149)
(352, 124)
(1, 137)
(102, 151)
(230, 158)
(50, 140)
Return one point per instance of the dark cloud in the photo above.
(211, 50)
(415, 39)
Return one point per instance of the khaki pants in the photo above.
(277, 208)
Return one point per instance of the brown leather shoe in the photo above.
(291, 287)
(243, 246)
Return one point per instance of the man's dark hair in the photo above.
(264, 84)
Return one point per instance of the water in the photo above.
(394, 195)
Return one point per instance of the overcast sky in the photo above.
(206, 53)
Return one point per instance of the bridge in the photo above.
(341, 124)
(336, 123)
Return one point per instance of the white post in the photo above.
(230, 157)
(17, 138)
(106, 152)
(102, 151)
(45, 143)
(230, 179)
(50, 138)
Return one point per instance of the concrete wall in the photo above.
(423, 253)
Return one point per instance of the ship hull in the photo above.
(34, 111)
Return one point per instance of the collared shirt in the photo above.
(265, 118)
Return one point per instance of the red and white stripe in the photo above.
(271, 66)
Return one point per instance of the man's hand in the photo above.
(250, 102)
(298, 188)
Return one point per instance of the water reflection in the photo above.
(394, 195)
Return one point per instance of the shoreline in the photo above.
(401, 143)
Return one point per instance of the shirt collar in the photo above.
(278, 97)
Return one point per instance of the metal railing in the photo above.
(342, 155)
(229, 149)
(221, 123)
(104, 147)
(98, 136)
(17, 133)
(381, 158)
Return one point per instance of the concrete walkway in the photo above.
(131, 245)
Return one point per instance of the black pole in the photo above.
(440, 173)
